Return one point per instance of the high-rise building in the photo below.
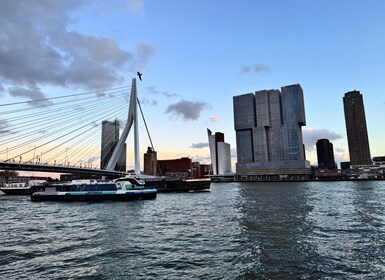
(325, 154)
(356, 130)
(110, 137)
(220, 153)
(150, 162)
(268, 127)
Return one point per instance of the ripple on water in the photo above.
(315, 230)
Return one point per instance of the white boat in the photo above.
(122, 189)
(23, 188)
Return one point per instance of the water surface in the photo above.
(312, 230)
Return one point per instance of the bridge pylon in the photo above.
(131, 120)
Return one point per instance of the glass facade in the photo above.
(275, 139)
(220, 153)
(110, 137)
(224, 158)
(325, 154)
(244, 111)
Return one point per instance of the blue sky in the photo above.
(196, 55)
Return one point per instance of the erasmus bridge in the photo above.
(63, 134)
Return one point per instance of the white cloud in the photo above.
(188, 110)
(135, 5)
(39, 47)
(311, 135)
(214, 119)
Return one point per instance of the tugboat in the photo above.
(24, 188)
(122, 189)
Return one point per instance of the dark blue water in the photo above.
(315, 230)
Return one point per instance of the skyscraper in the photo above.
(325, 154)
(356, 130)
(268, 127)
(220, 153)
(110, 137)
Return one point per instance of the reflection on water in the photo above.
(312, 230)
(276, 223)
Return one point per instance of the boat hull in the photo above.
(173, 185)
(20, 191)
(95, 196)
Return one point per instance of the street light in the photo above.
(33, 159)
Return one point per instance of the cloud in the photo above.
(311, 135)
(188, 110)
(155, 91)
(39, 47)
(260, 69)
(135, 5)
(199, 145)
(143, 54)
(145, 101)
(4, 127)
(201, 159)
(37, 98)
(214, 119)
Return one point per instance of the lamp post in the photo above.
(34, 150)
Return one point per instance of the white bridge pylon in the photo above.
(131, 120)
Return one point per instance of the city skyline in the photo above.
(194, 60)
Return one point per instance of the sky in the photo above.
(195, 56)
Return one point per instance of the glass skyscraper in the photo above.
(356, 130)
(268, 125)
(110, 137)
(325, 154)
(220, 153)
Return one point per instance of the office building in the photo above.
(325, 154)
(356, 130)
(110, 137)
(150, 162)
(220, 153)
(268, 125)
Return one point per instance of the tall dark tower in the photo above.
(325, 154)
(356, 129)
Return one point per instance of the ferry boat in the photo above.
(23, 188)
(122, 189)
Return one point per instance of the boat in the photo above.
(178, 185)
(121, 189)
(23, 188)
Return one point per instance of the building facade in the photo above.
(110, 137)
(268, 125)
(356, 129)
(220, 153)
(325, 154)
(150, 162)
(176, 168)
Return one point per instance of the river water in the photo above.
(309, 230)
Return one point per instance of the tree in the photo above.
(6, 175)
